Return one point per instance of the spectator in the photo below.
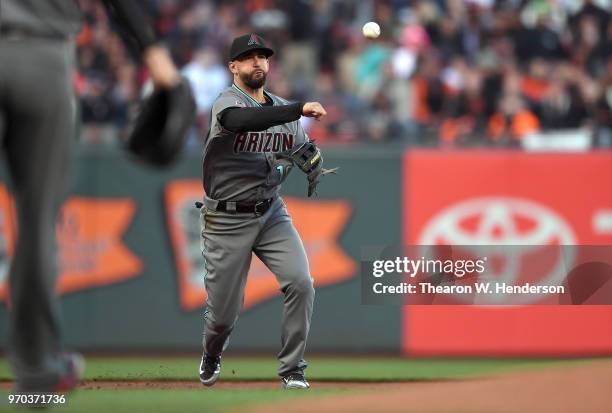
(442, 72)
(208, 77)
(512, 122)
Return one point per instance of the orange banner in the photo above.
(91, 251)
(318, 222)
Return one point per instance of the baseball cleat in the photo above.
(210, 369)
(73, 369)
(295, 381)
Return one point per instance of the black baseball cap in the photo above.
(248, 42)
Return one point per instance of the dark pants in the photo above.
(37, 129)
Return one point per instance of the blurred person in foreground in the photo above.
(37, 127)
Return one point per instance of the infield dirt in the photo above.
(586, 388)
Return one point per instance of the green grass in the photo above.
(171, 401)
(321, 368)
(255, 368)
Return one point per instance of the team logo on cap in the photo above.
(254, 40)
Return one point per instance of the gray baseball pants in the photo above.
(37, 131)
(228, 241)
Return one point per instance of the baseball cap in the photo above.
(247, 43)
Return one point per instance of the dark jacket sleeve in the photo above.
(261, 118)
(132, 20)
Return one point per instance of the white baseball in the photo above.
(371, 30)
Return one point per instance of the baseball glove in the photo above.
(161, 126)
(309, 159)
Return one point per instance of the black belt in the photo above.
(258, 207)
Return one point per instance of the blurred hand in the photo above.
(313, 110)
(163, 71)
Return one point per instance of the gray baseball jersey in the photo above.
(249, 167)
(244, 166)
(52, 18)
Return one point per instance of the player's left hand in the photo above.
(315, 177)
(309, 159)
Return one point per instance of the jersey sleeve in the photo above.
(257, 119)
(225, 101)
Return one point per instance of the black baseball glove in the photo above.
(309, 159)
(162, 125)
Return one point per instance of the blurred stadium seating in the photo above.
(443, 73)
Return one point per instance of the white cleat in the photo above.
(210, 370)
(295, 381)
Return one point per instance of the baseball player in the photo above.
(255, 138)
(36, 129)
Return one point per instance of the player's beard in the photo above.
(252, 80)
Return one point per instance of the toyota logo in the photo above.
(513, 230)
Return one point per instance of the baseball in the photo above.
(371, 30)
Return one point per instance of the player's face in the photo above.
(252, 68)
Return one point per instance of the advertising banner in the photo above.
(318, 222)
(91, 250)
(532, 202)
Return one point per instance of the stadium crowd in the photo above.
(443, 72)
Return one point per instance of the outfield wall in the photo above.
(138, 283)
(132, 271)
